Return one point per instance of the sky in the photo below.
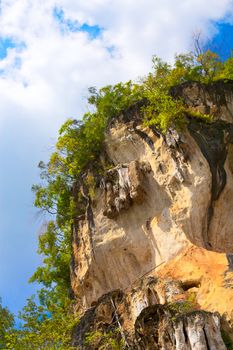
(50, 53)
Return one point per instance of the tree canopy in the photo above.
(6, 324)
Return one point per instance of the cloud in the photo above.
(101, 42)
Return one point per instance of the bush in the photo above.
(104, 340)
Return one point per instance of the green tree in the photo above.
(54, 245)
(44, 327)
(6, 324)
(164, 111)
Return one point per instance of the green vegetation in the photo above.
(6, 325)
(104, 340)
(181, 307)
(46, 327)
(164, 111)
(68, 182)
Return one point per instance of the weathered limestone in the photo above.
(158, 328)
(164, 208)
(152, 315)
(145, 216)
(123, 186)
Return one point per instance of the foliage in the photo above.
(162, 110)
(210, 66)
(54, 245)
(6, 324)
(104, 340)
(44, 327)
(226, 71)
(80, 143)
(181, 307)
(90, 182)
(112, 100)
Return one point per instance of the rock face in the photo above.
(157, 328)
(152, 315)
(164, 199)
(123, 186)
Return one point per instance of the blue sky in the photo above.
(5, 44)
(222, 42)
(50, 53)
(72, 25)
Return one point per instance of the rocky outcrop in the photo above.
(155, 314)
(123, 187)
(163, 208)
(214, 99)
(159, 328)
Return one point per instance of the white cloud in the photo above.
(57, 68)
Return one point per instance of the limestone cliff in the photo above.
(149, 255)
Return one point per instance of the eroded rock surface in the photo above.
(159, 328)
(153, 315)
(163, 197)
(123, 186)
